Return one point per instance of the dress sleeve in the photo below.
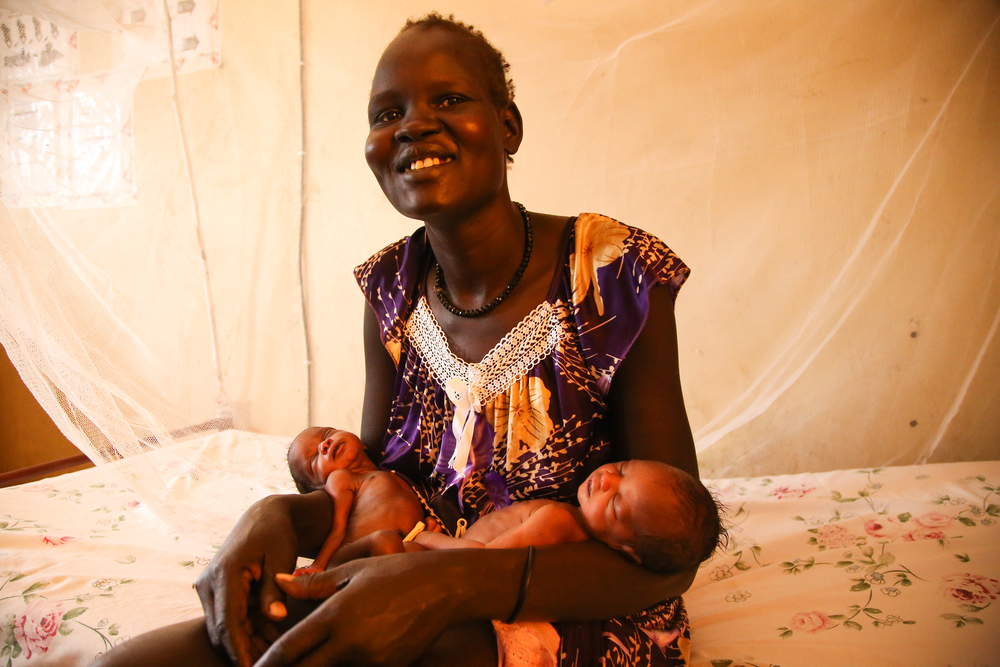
(612, 269)
(390, 279)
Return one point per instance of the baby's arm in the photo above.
(340, 485)
(549, 524)
(438, 541)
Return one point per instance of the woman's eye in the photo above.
(387, 116)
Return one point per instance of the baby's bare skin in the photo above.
(381, 501)
(532, 522)
(365, 499)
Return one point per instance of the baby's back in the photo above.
(383, 502)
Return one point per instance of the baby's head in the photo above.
(318, 451)
(656, 514)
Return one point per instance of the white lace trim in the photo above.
(534, 338)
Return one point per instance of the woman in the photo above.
(580, 369)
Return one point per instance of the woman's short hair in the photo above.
(491, 60)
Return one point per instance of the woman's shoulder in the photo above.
(607, 250)
(395, 270)
(393, 262)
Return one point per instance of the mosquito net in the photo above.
(184, 195)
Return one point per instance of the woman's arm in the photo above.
(649, 421)
(380, 372)
(416, 596)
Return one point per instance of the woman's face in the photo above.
(437, 143)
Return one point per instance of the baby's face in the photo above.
(318, 451)
(618, 497)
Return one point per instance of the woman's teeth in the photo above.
(428, 162)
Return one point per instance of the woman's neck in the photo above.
(479, 253)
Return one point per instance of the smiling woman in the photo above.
(480, 391)
(436, 127)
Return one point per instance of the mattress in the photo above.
(885, 566)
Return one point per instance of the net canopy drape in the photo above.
(830, 171)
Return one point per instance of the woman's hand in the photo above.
(389, 610)
(237, 589)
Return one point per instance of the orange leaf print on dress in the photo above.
(599, 241)
(522, 414)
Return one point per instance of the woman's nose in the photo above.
(416, 125)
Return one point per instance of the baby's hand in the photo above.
(302, 571)
(432, 525)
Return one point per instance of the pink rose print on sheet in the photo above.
(924, 534)
(784, 492)
(37, 626)
(885, 527)
(811, 621)
(935, 520)
(970, 588)
(974, 592)
(57, 541)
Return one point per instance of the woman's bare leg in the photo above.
(179, 644)
(469, 645)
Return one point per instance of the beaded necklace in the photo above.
(482, 310)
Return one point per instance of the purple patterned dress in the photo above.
(529, 420)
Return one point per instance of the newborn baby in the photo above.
(654, 513)
(365, 499)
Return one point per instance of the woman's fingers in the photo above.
(231, 616)
(272, 598)
(310, 586)
(206, 593)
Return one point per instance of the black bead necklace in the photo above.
(482, 310)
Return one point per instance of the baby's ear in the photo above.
(630, 552)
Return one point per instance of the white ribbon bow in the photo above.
(464, 422)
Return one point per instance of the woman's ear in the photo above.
(510, 116)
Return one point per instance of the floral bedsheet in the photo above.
(894, 566)
(880, 567)
(84, 564)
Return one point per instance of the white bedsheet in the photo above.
(899, 566)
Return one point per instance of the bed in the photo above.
(885, 566)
